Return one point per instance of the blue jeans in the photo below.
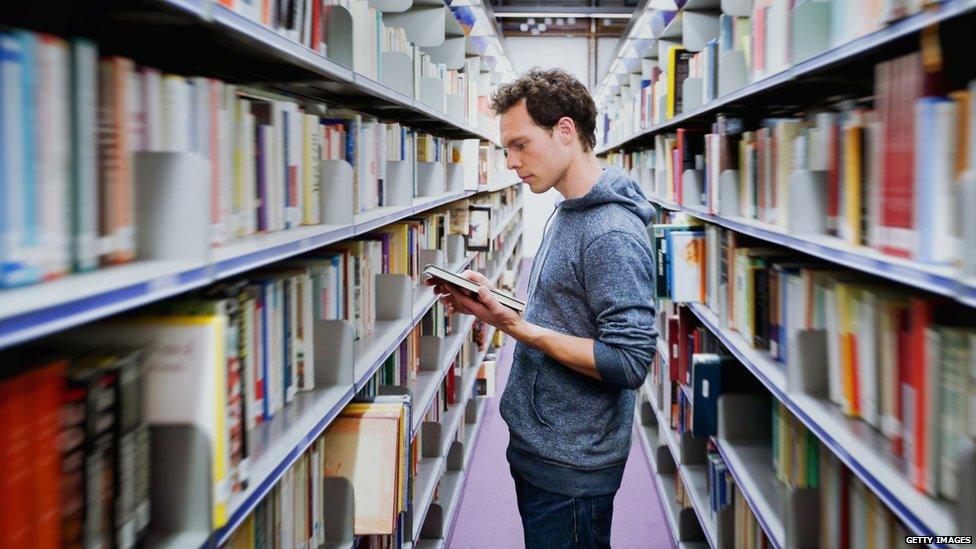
(554, 521)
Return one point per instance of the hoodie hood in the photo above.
(614, 187)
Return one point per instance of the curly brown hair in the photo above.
(550, 95)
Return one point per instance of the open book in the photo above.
(472, 287)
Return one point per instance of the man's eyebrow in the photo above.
(508, 143)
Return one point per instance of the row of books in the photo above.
(897, 359)
(725, 494)
(772, 37)
(77, 447)
(896, 177)
(246, 345)
(849, 514)
(368, 445)
(71, 181)
(360, 444)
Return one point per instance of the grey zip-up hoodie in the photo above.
(593, 277)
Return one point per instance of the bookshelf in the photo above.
(455, 455)
(819, 71)
(790, 80)
(194, 503)
(857, 447)
(937, 279)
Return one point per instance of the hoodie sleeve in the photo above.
(618, 277)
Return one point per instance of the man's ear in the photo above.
(566, 130)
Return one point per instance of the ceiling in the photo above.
(598, 18)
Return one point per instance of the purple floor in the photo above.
(488, 516)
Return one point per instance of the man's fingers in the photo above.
(476, 277)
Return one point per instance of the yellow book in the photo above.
(784, 134)
(963, 100)
(672, 70)
(852, 181)
(365, 444)
(185, 381)
(846, 300)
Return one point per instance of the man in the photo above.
(587, 337)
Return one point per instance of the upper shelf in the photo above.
(219, 42)
(807, 81)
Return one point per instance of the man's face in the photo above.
(538, 156)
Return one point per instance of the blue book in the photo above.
(289, 383)
(706, 384)
(267, 298)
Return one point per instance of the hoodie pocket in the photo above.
(537, 379)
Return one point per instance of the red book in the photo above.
(685, 326)
(46, 385)
(898, 196)
(914, 392)
(15, 409)
(676, 175)
(674, 348)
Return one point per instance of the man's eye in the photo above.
(506, 152)
(520, 146)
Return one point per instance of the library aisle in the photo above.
(488, 516)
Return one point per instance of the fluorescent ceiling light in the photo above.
(572, 15)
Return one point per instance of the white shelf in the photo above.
(370, 352)
(45, 308)
(507, 255)
(939, 279)
(41, 309)
(471, 434)
(290, 52)
(857, 445)
(278, 443)
(664, 484)
(427, 385)
(429, 473)
(830, 59)
(238, 256)
(751, 465)
(694, 477)
(500, 228)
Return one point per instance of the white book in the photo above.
(685, 251)
(152, 109)
(176, 126)
(249, 168)
(286, 509)
(228, 145)
(867, 357)
(54, 158)
(185, 380)
(84, 164)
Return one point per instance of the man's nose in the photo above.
(513, 162)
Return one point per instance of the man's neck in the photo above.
(582, 173)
